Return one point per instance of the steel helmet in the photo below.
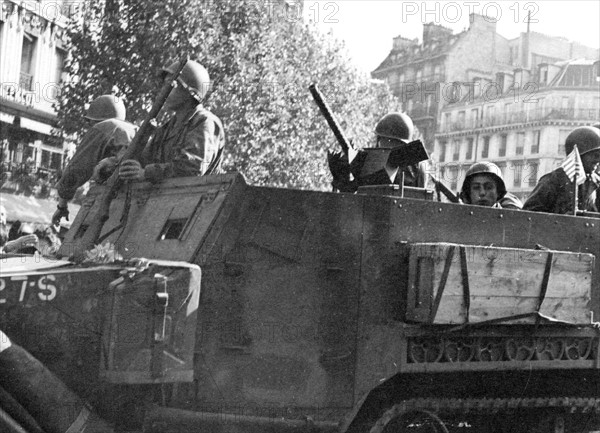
(106, 107)
(587, 138)
(488, 168)
(395, 125)
(194, 78)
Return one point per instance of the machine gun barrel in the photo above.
(135, 148)
(330, 118)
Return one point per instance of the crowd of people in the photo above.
(191, 143)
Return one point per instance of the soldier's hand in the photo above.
(104, 169)
(131, 169)
(338, 165)
(20, 243)
(61, 212)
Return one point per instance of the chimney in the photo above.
(401, 43)
(435, 33)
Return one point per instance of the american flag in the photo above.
(572, 165)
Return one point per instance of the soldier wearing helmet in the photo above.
(394, 130)
(191, 142)
(554, 191)
(484, 186)
(108, 136)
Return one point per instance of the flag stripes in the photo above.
(572, 166)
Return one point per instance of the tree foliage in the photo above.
(261, 57)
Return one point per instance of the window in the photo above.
(469, 154)
(520, 143)
(27, 60)
(503, 142)
(58, 68)
(442, 148)
(453, 175)
(456, 150)
(564, 106)
(535, 142)
(447, 120)
(506, 113)
(518, 170)
(461, 119)
(532, 174)
(474, 116)
(562, 137)
(485, 150)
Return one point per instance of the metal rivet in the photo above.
(400, 205)
(440, 209)
(471, 213)
(501, 216)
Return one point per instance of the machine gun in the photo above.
(346, 145)
(92, 233)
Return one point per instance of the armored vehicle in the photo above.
(212, 305)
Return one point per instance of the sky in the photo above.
(367, 27)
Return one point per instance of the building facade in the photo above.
(522, 127)
(424, 75)
(32, 47)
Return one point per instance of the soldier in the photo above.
(191, 142)
(554, 191)
(24, 240)
(484, 186)
(392, 131)
(109, 135)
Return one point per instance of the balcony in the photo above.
(549, 113)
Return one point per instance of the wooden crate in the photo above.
(456, 284)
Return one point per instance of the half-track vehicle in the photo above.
(238, 308)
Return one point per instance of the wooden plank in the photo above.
(504, 282)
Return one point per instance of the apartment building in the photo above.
(424, 74)
(32, 48)
(519, 121)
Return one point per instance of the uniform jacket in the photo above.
(187, 145)
(99, 143)
(554, 194)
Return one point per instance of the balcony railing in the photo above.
(584, 114)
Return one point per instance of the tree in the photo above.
(261, 57)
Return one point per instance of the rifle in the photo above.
(331, 121)
(440, 187)
(92, 233)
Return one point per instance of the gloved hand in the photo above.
(338, 165)
(104, 169)
(131, 169)
(61, 212)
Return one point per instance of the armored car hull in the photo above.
(264, 309)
